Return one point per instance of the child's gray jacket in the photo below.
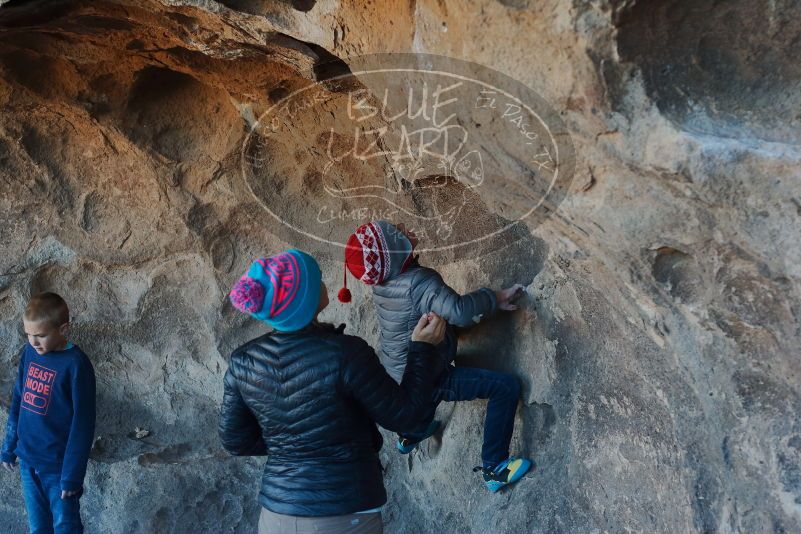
(402, 300)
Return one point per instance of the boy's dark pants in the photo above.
(468, 383)
(48, 513)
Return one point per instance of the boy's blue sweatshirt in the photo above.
(51, 423)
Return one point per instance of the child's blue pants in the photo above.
(503, 392)
(48, 513)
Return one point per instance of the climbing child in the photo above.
(51, 421)
(381, 255)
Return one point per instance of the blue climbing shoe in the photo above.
(407, 445)
(507, 472)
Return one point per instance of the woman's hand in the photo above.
(430, 329)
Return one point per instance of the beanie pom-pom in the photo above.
(247, 295)
(344, 295)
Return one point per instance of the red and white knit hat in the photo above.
(374, 253)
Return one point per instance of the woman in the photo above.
(309, 397)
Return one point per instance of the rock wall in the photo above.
(659, 341)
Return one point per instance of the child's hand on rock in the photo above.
(507, 297)
(430, 329)
(8, 466)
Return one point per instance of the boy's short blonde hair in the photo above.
(48, 307)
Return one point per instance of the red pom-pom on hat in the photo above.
(354, 262)
(344, 295)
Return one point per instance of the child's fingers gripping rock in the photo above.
(507, 297)
(518, 291)
(512, 293)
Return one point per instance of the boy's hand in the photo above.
(65, 494)
(507, 297)
(8, 466)
(430, 329)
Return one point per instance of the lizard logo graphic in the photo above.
(456, 151)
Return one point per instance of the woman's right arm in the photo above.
(396, 407)
(239, 430)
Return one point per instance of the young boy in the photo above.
(380, 255)
(51, 422)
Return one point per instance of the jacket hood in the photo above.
(399, 249)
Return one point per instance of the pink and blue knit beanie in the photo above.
(282, 290)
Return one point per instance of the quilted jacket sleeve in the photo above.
(239, 430)
(430, 293)
(396, 407)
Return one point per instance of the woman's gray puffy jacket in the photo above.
(402, 300)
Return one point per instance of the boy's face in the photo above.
(408, 233)
(323, 297)
(44, 337)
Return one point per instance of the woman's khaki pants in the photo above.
(272, 523)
